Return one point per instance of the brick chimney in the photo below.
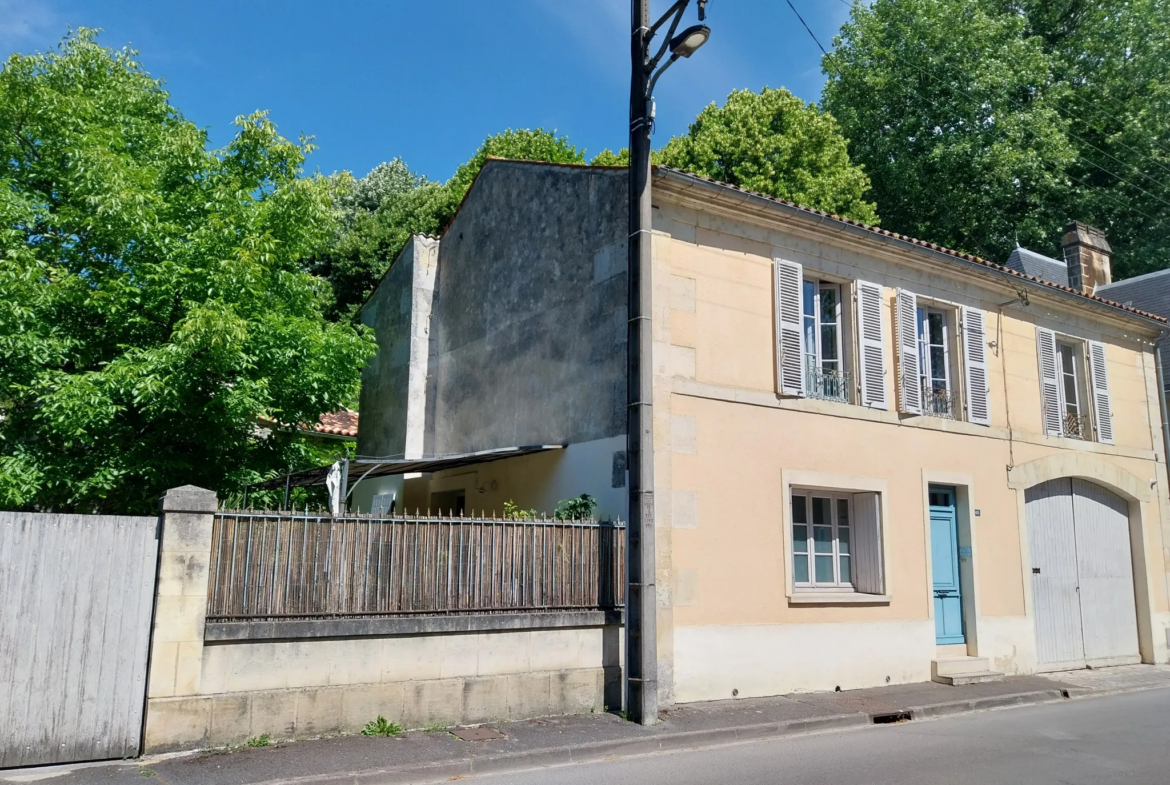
(1088, 256)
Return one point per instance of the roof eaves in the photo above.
(801, 209)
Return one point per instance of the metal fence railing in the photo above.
(273, 565)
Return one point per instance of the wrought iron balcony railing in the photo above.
(938, 402)
(827, 385)
(1076, 426)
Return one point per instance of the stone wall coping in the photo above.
(189, 499)
(300, 629)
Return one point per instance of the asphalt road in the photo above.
(1097, 741)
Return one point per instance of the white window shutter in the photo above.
(867, 544)
(975, 360)
(909, 373)
(1049, 382)
(1102, 405)
(789, 280)
(870, 329)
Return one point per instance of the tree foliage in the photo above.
(152, 303)
(380, 211)
(770, 142)
(981, 122)
(774, 143)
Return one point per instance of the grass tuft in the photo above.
(380, 727)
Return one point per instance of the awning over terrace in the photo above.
(362, 467)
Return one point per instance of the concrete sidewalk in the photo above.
(436, 756)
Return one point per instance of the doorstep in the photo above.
(960, 671)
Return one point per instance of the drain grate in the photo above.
(891, 718)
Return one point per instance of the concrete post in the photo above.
(176, 655)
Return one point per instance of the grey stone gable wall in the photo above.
(1043, 267)
(396, 311)
(528, 330)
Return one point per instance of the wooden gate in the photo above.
(76, 596)
(1082, 575)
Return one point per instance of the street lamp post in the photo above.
(641, 622)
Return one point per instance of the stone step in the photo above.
(969, 678)
(959, 666)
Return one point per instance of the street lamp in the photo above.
(641, 621)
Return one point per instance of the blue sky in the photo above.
(429, 80)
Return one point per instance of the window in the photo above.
(1071, 372)
(836, 542)
(820, 540)
(823, 356)
(1074, 391)
(935, 363)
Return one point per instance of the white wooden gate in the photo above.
(76, 595)
(1082, 575)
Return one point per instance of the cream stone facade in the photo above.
(730, 447)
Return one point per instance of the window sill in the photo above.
(837, 598)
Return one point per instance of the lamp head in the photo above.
(688, 41)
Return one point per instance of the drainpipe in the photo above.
(1161, 373)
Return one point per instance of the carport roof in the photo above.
(364, 467)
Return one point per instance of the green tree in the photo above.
(381, 211)
(981, 122)
(774, 143)
(770, 142)
(152, 302)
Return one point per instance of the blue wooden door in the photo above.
(944, 558)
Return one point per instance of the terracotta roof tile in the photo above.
(342, 422)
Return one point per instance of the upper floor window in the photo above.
(932, 354)
(1074, 387)
(815, 347)
(934, 350)
(824, 363)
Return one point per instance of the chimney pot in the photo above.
(1088, 256)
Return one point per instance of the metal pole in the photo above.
(641, 621)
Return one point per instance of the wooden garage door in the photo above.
(1082, 575)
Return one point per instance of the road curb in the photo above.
(593, 752)
(981, 704)
(661, 740)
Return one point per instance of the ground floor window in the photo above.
(836, 541)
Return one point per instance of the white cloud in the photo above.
(23, 21)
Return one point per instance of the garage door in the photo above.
(1082, 575)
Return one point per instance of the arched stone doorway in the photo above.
(1083, 601)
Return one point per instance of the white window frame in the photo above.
(815, 353)
(1084, 408)
(837, 552)
(953, 366)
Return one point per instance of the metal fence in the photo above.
(274, 565)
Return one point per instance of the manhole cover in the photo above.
(482, 733)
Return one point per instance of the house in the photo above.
(877, 460)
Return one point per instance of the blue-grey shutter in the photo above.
(909, 370)
(1102, 405)
(789, 282)
(868, 577)
(1049, 382)
(870, 329)
(975, 367)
